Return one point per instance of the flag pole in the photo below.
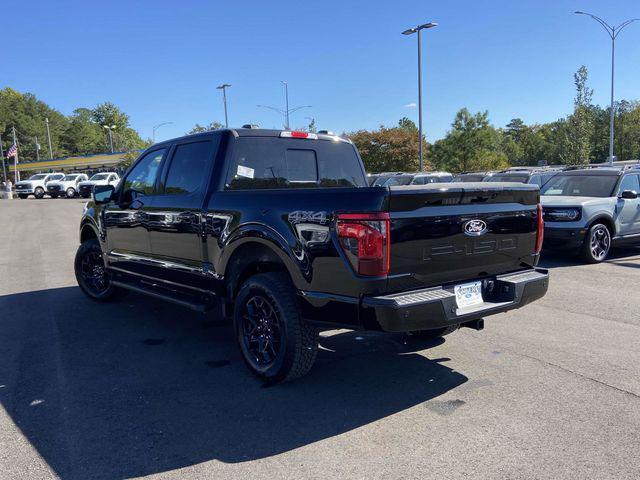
(4, 170)
(15, 158)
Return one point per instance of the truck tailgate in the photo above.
(448, 233)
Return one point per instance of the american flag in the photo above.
(13, 151)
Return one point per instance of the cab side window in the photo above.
(141, 179)
(629, 182)
(189, 168)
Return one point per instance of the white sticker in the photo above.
(245, 171)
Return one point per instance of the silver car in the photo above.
(590, 210)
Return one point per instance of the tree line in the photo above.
(473, 143)
(81, 133)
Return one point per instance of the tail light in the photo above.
(364, 238)
(540, 230)
(297, 134)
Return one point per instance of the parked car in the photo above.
(103, 178)
(536, 176)
(383, 177)
(417, 178)
(280, 231)
(36, 185)
(66, 186)
(587, 211)
(472, 176)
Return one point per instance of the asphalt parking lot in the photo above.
(139, 387)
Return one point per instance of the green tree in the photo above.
(580, 122)
(83, 136)
(197, 128)
(471, 144)
(389, 149)
(108, 114)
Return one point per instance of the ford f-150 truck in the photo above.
(279, 231)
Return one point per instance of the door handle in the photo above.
(188, 217)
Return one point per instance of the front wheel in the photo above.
(53, 195)
(597, 244)
(71, 192)
(276, 343)
(38, 192)
(91, 274)
(22, 196)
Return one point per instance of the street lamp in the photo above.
(286, 96)
(613, 33)
(156, 127)
(224, 87)
(110, 129)
(411, 31)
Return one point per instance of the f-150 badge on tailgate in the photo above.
(475, 228)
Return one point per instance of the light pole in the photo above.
(46, 121)
(613, 33)
(224, 87)
(110, 129)
(156, 127)
(411, 31)
(286, 99)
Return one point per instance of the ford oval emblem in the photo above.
(475, 228)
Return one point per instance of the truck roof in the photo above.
(251, 132)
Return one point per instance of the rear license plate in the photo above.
(468, 294)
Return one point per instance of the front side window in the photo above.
(37, 177)
(629, 182)
(141, 179)
(188, 168)
(580, 185)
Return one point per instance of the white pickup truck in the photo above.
(66, 186)
(103, 178)
(36, 185)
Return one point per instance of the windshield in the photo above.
(100, 176)
(508, 178)
(70, 177)
(37, 177)
(580, 185)
(398, 180)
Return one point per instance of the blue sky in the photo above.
(161, 60)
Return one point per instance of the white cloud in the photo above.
(411, 105)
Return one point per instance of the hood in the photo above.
(569, 201)
(92, 182)
(23, 182)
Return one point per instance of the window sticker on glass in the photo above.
(245, 171)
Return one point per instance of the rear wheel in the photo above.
(276, 344)
(53, 195)
(38, 192)
(71, 192)
(91, 274)
(597, 244)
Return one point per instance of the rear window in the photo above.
(266, 162)
(507, 178)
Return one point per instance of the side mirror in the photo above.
(629, 195)
(102, 193)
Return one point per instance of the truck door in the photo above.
(629, 208)
(175, 219)
(126, 219)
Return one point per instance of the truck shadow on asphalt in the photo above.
(137, 387)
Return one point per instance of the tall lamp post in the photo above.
(613, 33)
(287, 111)
(156, 127)
(224, 87)
(411, 31)
(110, 128)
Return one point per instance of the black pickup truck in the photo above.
(279, 231)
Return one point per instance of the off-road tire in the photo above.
(588, 253)
(299, 346)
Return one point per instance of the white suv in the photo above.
(104, 178)
(36, 185)
(67, 186)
